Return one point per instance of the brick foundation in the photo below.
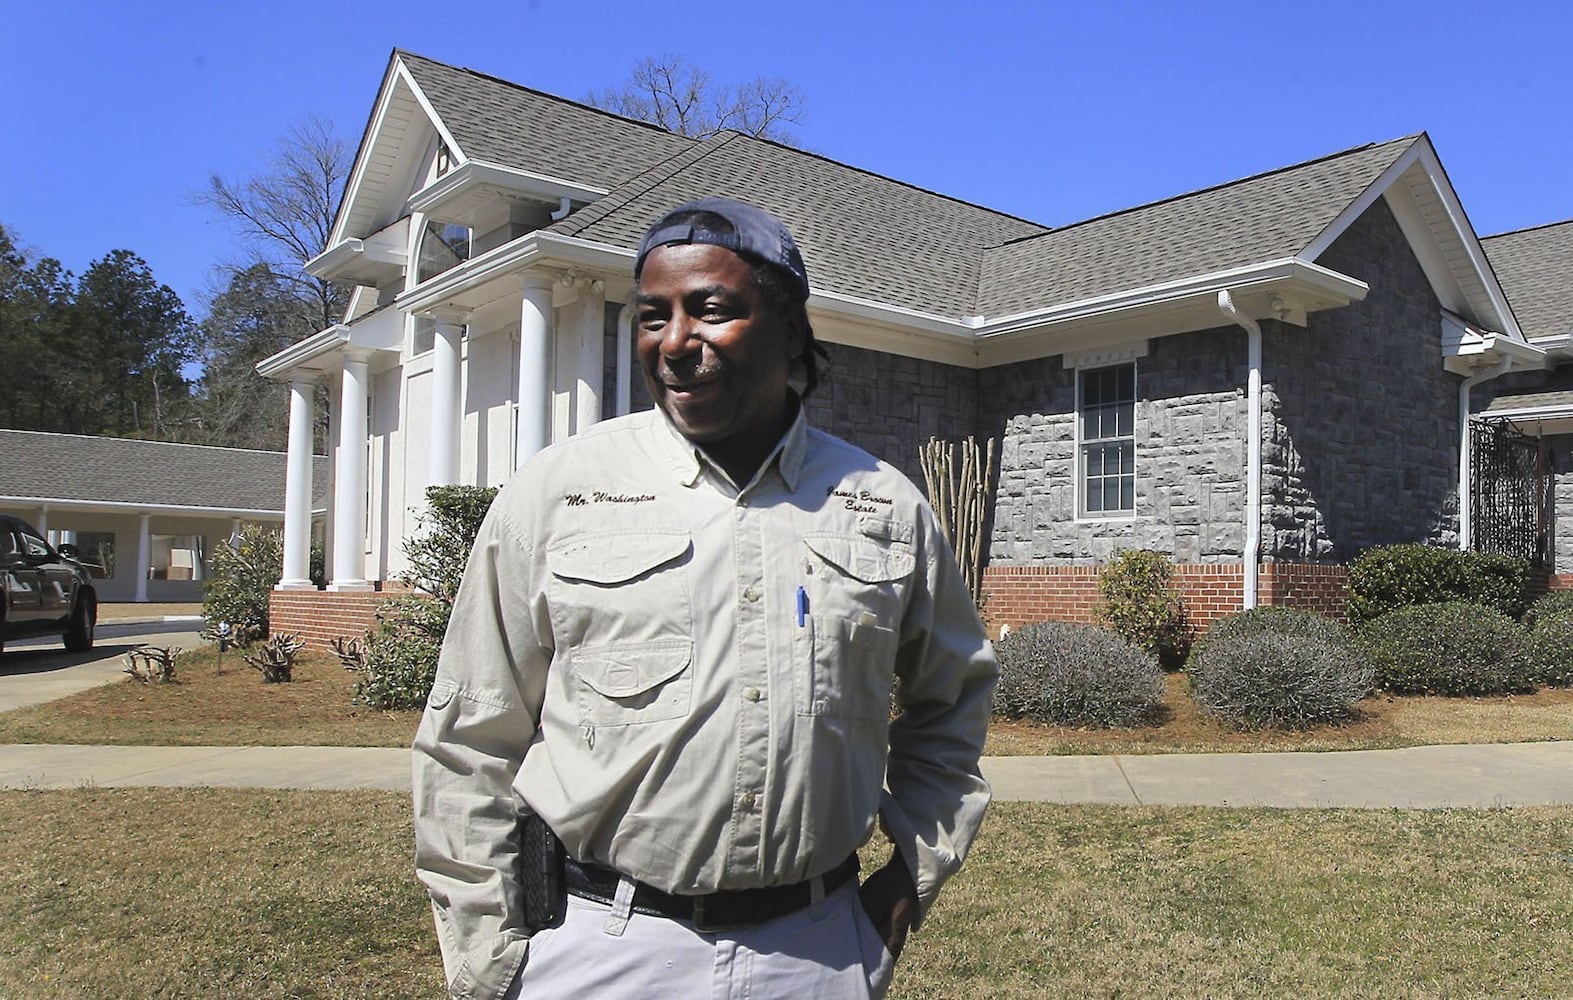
(1019, 595)
(320, 616)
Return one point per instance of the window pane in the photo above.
(1094, 496)
(1127, 458)
(177, 557)
(1127, 493)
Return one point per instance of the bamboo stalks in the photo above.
(959, 495)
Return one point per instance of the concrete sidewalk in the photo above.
(1413, 778)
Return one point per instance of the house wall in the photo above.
(1190, 457)
(890, 405)
(126, 528)
(1361, 420)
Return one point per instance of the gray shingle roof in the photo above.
(1260, 218)
(513, 126)
(861, 234)
(1535, 269)
(1531, 401)
(120, 470)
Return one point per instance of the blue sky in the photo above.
(116, 113)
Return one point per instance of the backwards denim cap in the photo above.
(754, 231)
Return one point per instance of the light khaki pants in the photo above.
(826, 951)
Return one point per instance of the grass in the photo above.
(206, 707)
(234, 708)
(175, 893)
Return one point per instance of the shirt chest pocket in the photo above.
(620, 608)
(846, 645)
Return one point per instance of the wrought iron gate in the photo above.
(1511, 508)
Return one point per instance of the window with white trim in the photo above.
(1106, 439)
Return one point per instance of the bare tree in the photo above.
(286, 213)
(669, 91)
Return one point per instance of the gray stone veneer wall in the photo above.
(1190, 456)
(1359, 429)
(1361, 422)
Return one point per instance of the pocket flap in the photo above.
(631, 668)
(615, 558)
(863, 558)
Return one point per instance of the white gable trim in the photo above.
(1448, 252)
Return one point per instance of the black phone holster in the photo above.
(541, 857)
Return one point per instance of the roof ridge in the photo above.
(1218, 187)
(166, 444)
(893, 180)
(542, 93)
(1527, 229)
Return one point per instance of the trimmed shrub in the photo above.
(244, 571)
(1449, 649)
(1274, 620)
(398, 661)
(1141, 606)
(1389, 577)
(1067, 674)
(276, 657)
(1557, 602)
(1256, 678)
(1551, 649)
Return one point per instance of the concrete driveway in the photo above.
(38, 670)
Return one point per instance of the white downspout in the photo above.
(564, 206)
(1466, 498)
(625, 349)
(1253, 450)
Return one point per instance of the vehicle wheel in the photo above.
(84, 618)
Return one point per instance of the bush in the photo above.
(1551, 649)
(1075, 675)
(1555, 603)
(1456, 648)
(1278, 668)
(398, 661)
(244, 572)
(1273, 620)
(1395, 576)
(1141, 606)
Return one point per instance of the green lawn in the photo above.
(203, 893)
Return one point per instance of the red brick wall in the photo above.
(319, 616)
(1018, 595)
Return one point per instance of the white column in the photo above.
(535, 369)
(446, 399)
(625, 360)
(349, 500)
(43, 521)
(297, 490)
(591, 368)
(234, 527)
(144, 556)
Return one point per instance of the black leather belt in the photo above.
(714, 912)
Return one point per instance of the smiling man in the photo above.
(662, 722)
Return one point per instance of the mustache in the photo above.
(698, 372)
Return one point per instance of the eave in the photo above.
(465, 193)
(1467, 349)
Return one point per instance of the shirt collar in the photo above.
(686, 460)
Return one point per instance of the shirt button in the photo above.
(750, 694)
(747, 801)
(750, 595)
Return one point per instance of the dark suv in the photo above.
(43, 591)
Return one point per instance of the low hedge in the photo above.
(1389, 577)
(1276, 667)
(1456, 648)
(1551, 649)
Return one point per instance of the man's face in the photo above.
(716, 356)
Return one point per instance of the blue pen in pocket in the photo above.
(802, 606)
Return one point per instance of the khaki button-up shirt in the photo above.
(692, 682)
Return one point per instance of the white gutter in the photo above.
(1465, 493)
(1253, 462)
(62, 503)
